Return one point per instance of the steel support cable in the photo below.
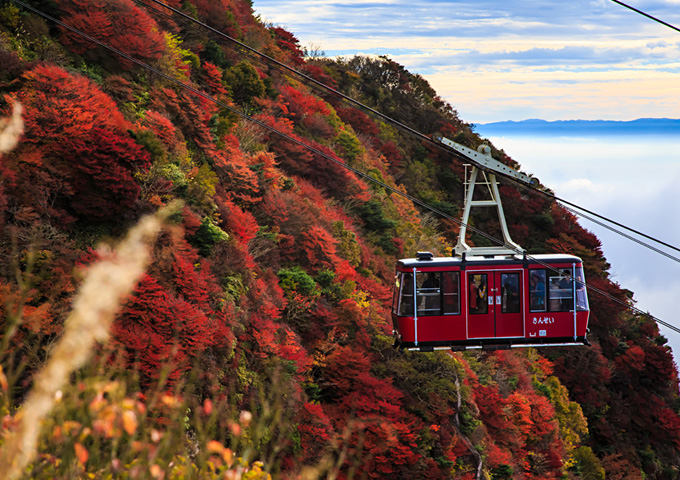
(591, 288)
(647, 15)
(593, 214)
(299, 74)
(334, 160)
(417, 134)
(189, 26)
(633, 239)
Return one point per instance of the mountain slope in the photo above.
(261, 330)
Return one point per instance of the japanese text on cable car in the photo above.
(544, 320)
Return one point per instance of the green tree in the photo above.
(588, 465)
(244, 82)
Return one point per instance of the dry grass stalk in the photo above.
(11, 129)
(105, 286)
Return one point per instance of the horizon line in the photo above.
(673, 120)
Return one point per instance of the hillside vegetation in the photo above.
(258, 342)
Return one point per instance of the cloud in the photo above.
(584, 57)
(445, 18)
(659, 44)
(587, 186)
(564, 56)
(498, 60)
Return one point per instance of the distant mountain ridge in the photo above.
(641, 126)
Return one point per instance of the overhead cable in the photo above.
(633, 239)
(647, 15)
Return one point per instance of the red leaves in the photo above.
(78, 157)
(659, 365)
(238, 179)
(159, 329)
(274, 339)
(320, 74)
(289, 44)
(522, 427)
(213, 78)
(632, 361)
(384, 437)
(669, 421)
(301, 104)
(359, 120)
(492, 411)
(393, 155)
(237, 221)
(163, 128)
(318, 249)
(321, 171)
(291, 349)
(344, 366)
(216, 13)
(190, 114)
(315, 431)
(101, 173)
(62, 106)
(265, 164)
(121, 24)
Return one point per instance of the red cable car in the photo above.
(498, 301)
(489, 297)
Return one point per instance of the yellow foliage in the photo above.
(362, 298)
(178, 61)
(569, 416)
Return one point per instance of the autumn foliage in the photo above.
(122, 25)
(259, 339)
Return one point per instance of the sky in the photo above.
(497, 60)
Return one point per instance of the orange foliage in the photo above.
(163, 128)
(301, 104)
(238, 179)
(213, 78)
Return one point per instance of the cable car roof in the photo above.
(485, 260)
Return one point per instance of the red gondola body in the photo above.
(489, 302)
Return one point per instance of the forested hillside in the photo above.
(258, 342)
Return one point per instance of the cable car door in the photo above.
(480, 304)
(494, 304)
(508, 302)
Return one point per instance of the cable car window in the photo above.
(406, 295)
(537, 291)
(395, 292)
(450, 288)
(477, 301)
(510, 292)
(428, 294)
(581, 296)
(560, 291)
